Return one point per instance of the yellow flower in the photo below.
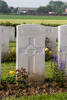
(11, 72)
(46, 49)
(50, 52)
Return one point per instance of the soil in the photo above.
(33, 88)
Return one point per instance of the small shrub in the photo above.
(23, 85)
(21, 75)
(11, 78)
(48, 54)
(48, 51)
(10, 57)
(58, 72)
(53, 25)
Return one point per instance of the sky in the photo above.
(29, 3)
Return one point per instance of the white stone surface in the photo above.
(4, 40)
(30, 50)
(11, 31)
(62, 44)
(52, 34)
(0, 56)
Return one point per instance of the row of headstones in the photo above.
(7, 34)
(30, 46)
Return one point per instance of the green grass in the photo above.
(6, 67)
(20, 19)
(33, 17)
(33, 21)
(48, 70)
(12, 45)
(58, 96)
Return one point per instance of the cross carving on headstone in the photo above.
(31, 50)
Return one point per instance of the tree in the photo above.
(4, 7)
(53, 6)
(42, 10)
(57, 6)
(49, 8)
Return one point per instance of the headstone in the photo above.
(4, 41)
(30, 50)
(62, 45)
(0, 56)
(55, 29)
(52, 34)
(11, 31)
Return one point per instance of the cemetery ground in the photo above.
(33, 17)
(47, 90)
(20, 19)
(57, 96)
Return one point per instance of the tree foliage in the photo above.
(53, 6)
(4, 7)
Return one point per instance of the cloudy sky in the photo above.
(29, 3)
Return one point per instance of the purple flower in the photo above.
(61, 64)
(60, 50)
(58, 67)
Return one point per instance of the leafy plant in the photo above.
(48, 51)
(22, 78)
(21, 75)
(11, 79)
(10, 57)
(58, 71)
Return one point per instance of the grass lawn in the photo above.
(33, 17)
(19, 19)
(33, 21)
(12, 45)
(58, 96)
(6, 67)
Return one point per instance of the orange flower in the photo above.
(12, 72)
(46, 49)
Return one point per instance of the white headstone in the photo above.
(30, 50)
(62, 44)
(52, 34)
(0, 56)
(11, 31)
(4, 40)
